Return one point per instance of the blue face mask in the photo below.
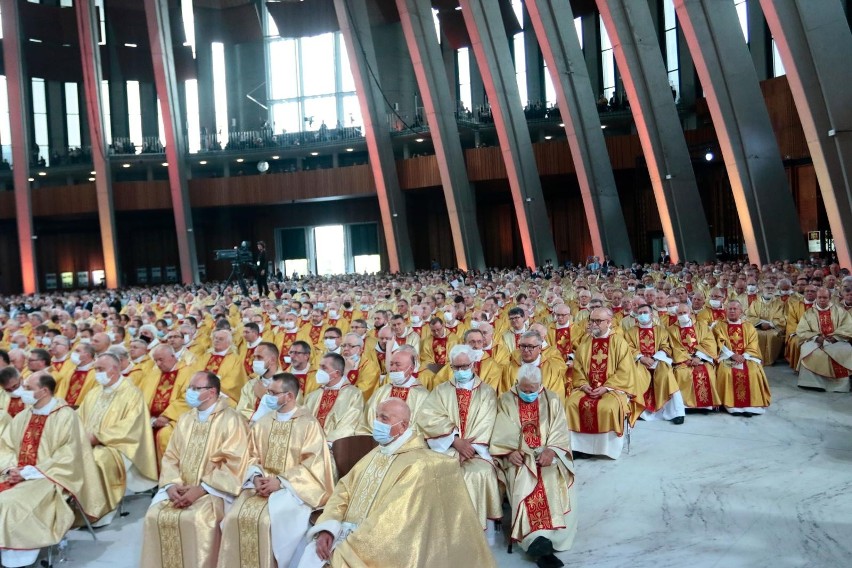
(528, 396)
(644, 319)
(168, 322)
(382, 432)
(270, 402)
(463, 375)
(161, 334)
(192, 398)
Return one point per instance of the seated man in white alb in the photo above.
(825, 355)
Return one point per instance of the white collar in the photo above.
(304, 371)
(47, 408)
(468, 386)
(488, 347)
(285, 416)
(85, 367)
(139, 359)
(398, 443)
(821, 309)
(256, 343)
(60, 360)
(649, 326)
(536, 362)
(407, 384)
(112, 389)
(203, 415)
(127, 370)
(340, 384)
(566, 326)
(738, 322)
(222, 353)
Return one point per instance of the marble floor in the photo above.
(773, 490)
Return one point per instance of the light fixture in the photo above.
(203, 162)
(275, 157)
(42, 173)
(91, 179)
(125, 165)
(314, 153)
(548, 137)
(165, 164)
(603, 126)
(93, 173)
(240, 160)
(561, 125)
(350, 149)
(30, 179)
(418, 140)
(130, 45)
(709, 155)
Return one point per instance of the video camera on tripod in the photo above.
(240, 257)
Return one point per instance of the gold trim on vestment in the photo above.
(368, 486)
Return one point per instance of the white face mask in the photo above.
(288, 359)
(322, 377)
(111, 336)
(330, 344)
(18, 392)
(46, 341)
(477, 355)
(304, 312)
(332, 314)
(416, 320)
(751, 288)
(259, 367)
(448, 317)
(75, 358)
(715, 303)
(684, 319)
(397, 378)
(289, 325)
(102, 378)
(28, 398)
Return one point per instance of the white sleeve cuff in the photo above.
(726, 353)
(444, 443)
(704, 356)
(29, 473)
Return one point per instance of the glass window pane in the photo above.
(283, 69)
(107, 115)
(437, 24)
(777, 63)
(193, 120)
(220, 90)
(352, 111)
(5, 126)
(72, 105)
(74, 140)
(317, 65)
(465, 92)
(671, 49)
(669, 10)
(321, 109)
(286, 118)
(40, 121)
(347, 82)
(134, 114)
(39, 100)
(578, 25)
(549, 90)
(742, 13)
(521, 67)
(605, 43)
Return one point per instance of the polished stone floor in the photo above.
(772, 490)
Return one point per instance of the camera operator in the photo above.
(262, 265)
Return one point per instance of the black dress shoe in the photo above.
(677, 420)
(581, 455)
(549, 561)
(540, 547)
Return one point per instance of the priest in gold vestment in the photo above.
(402, 384)
(554, 371)
(202, 470)
(485, 367)
(740, 378)
(289, 474)
(402, 505)
(337, 405)
(532, 443)
(606, 390)
(768, 316)
(117, 424)
(824, 333)
(694, 353)
(457, 419)
(44, 458)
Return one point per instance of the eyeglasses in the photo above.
(273, 393)
(349, 345)
(524, 347)
(198, 388)
(291, 353)
(461, 367)
(598, 321)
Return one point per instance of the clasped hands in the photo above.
(544, 459)
(182, 496)
(594, 393)
(266, 486)
(13, 476)
(464, 446)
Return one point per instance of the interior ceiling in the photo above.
(55, 53)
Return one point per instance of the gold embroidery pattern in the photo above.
(171, 548)
(368, 487)
(93, 424)
(248, 520)
(278, 444)
(191, 466)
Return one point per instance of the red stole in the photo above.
(163, 394)
(75, 386)
(751, 298)
(249, 359)
(303, 377)
(617, 309)
(327, 400)
(563, 341)
(742, 386)
(535, 503)
(381, 357)
(718, 314)
(28, 454)
(352, 376)
(58, 365)
(453, 329)
(463, 396)
(289, 338)
(826, 327)
(315, 334)
(647, 347)
(15, 406)
(213, 363)
(399, 340)
(597, 378)
(399, 392)
(439, 350)
(700, 375)
(517, 338)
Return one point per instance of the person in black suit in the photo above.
(262, 265)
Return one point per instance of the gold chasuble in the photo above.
(554, 374)
(53, 447)
(338, 410)
(830, 360)
(650, 342)
(771, 341)
(212, 454)
(118, 418)
(403, 507)
(469, 413)
(743, 385)
(697, 383)
(365, 377)
(487, 369)
(414, 396)
(605, 362)
(296, 452)
(229, 368)
(541, 498)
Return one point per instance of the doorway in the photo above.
(330, 242)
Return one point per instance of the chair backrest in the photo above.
(348, 451)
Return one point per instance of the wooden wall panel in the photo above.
(141, 195)
(429, 228)
(418, 172)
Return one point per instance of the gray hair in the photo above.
(530, 374)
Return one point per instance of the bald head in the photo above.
(395, 410)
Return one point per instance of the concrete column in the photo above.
(592, 52)
(160, 37)
(758, 181)
(354, 20)
(815, 45)
(90, 55)
(758, 41)
(491, 48)
(20, 112)
(643, 71)
(553, 22)
(418, 27)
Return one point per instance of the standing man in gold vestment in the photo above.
(402, 505)
(457, 419)
(44, 458)
(203, 468)
(606, 390)
(117, 424)
(532, 443)
(289, 474)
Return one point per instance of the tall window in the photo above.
(777, 64)
(72, 115)
(607, 63)
(520, 53)
(99, 4)
(310, 82)
(672, 62)
(742, 13)
(5, 127)
(465, 90)
(134, 114)
(437, 23)
(40, 120)
(193, 117)
(220, 91)
(549, 90)
(107, 114)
